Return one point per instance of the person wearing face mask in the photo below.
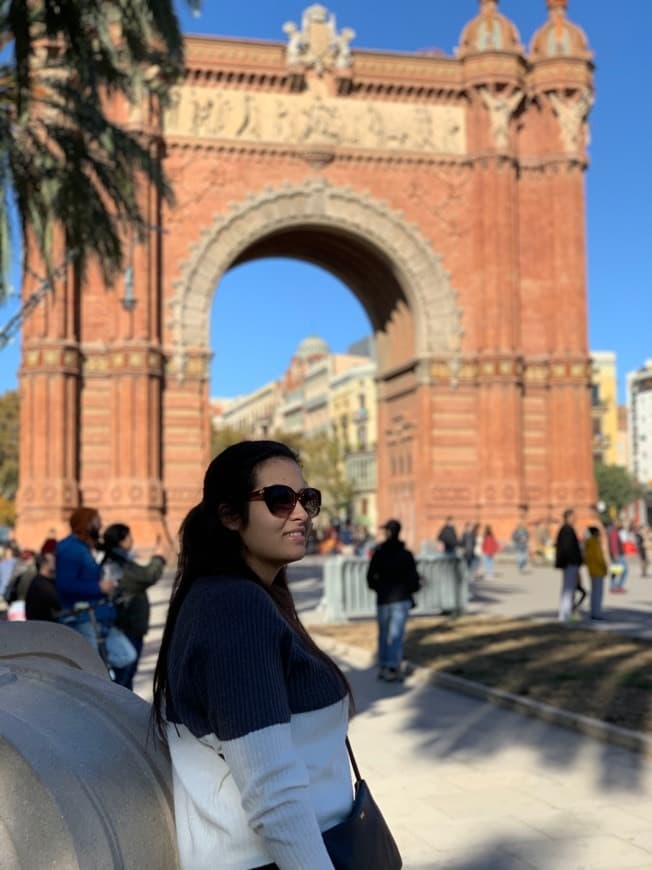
(79, 579)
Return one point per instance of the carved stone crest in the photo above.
(318, 45)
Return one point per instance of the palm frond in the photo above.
(62, 161)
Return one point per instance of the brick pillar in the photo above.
(495, 246)
(187, 428)
(133, 488)
(133, 492)
(571, 466)
(49, 414)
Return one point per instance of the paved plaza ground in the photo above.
(466, 785)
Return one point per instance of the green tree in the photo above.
(7, 512)
(8, 445)
(617, 488)
(223, 438)
(323, 466)
(64, 163)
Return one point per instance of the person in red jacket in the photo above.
(489, 550)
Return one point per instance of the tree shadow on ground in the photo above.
(455, 727)
(633, 621)
(552, 664)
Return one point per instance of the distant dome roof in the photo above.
(489, 31)
(559, 37)
(312, 346)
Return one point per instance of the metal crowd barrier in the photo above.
(444, 587)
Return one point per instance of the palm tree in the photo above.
(68, 172)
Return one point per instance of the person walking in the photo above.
(489, 550)
(469, 543)
(521, 541)
(447, 537)
(393, 576)
(641, 549)
(254, 714)
(568, 558)
(596, 565)
(133, 581)
(618, 569)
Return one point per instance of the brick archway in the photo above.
(302, 221)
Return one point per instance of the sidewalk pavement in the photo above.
(466, 785)
(535, 595)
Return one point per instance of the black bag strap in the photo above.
(354, 765)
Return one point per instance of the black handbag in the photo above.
(363, 840)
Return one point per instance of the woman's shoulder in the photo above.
(229, 616)
(229, 597)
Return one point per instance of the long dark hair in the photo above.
(111, 541)
(209, 549)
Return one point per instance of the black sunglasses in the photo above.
(281, 500)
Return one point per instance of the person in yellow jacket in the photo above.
(597, 567)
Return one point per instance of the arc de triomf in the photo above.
(446, 192)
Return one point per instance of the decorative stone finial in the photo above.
(489, 31)
(559, 37)
(318, 45)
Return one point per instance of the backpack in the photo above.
(19, 582)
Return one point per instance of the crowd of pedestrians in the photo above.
(603, 550)
(89, 581)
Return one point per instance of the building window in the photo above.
(362, 400)
(362, 437)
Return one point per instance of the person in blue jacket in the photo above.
(79, 579)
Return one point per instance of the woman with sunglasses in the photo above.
(254, 713)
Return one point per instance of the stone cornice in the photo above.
(319, 157)
(260, 65)
(551, 163)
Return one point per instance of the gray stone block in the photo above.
(82, 783)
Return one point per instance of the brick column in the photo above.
(49, 414)
(133, 491)
(497, 314)
(187, 427)
(571, 469)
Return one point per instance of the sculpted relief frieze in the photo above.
(308, 119)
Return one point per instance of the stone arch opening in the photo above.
(387, 263)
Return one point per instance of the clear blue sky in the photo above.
(619, 187)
